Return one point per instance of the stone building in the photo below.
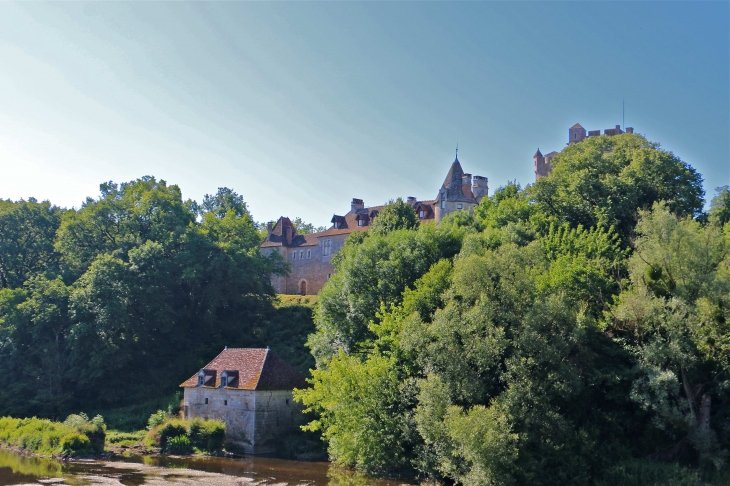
(251, 391)
(576, 133)
(310, 255)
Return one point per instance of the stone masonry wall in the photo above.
(315, 270)
(253, 418)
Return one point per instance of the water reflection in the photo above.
(16, 469)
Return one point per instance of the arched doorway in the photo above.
(303, 287)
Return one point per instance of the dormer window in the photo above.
(337, 224)
(421, 213)
(201, 378)
(359, 222)
(224, 379)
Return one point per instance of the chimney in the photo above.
(480, 187)
(411, 201)
(356, 204)
(269, 227)
(629, 129)
(466, 180)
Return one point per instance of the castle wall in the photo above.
(254, 418)
(314, 267)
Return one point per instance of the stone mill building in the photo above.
(251, 391)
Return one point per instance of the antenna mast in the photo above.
(623, 115)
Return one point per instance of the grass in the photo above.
(122, 438)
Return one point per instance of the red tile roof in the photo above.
(257, 369)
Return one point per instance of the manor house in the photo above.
(310, 255)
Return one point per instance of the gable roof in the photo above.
(577, 125)
(258, 369)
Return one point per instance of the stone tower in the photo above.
(576, 133)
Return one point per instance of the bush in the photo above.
(170, 430)
(42, 436)
(94, 429)
(207, 434)
(75, 443)
(179, 445)
(156, 419)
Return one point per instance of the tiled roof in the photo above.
(278, 236)
(257, 369)
(577, 125)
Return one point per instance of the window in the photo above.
(309, 254)
(301, 254)
(337, 224)
(206, 401)
(359, 222)
(459, 206)
(224, 381)
(420, 214)
(294, 256)
(326, 247)
(287, 401)
(200, 380)
(225, 402)
(443, 204)
(328, 276)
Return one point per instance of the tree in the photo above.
(605, 181)
(306, 228)
(223, 201)
(27, 233)
(394, 216)
(674, 318)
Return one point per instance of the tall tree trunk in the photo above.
(705, 406)
(690, 394)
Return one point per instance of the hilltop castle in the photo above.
(310, 254)
(576, 133)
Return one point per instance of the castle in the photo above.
(310, 255)
(576, 133)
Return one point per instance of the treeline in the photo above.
(572, 332)
(121, 300)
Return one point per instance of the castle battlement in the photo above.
(576, 133)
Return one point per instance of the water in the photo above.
(17, 469)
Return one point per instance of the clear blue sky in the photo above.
(301, 106)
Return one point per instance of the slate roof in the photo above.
(278, 236)
(257, 369)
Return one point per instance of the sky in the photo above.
(301, 106)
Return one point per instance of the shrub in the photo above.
(94, 429)
(203, 434)
(179, 445)
(169, 430)
(156, 419)
(75, 443)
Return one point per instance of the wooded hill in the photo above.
(556, 335)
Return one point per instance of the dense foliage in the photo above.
(118, 302)
(76, 435)
(556, 335)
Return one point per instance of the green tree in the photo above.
(306, 228)
(720, 206)
(27, 233)
(674, 318)
(604, 181)
(394, 216)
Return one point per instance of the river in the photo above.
(17, 469)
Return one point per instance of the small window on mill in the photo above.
(206, 401)
(309, 254)
(225, 402)
(459, 206)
